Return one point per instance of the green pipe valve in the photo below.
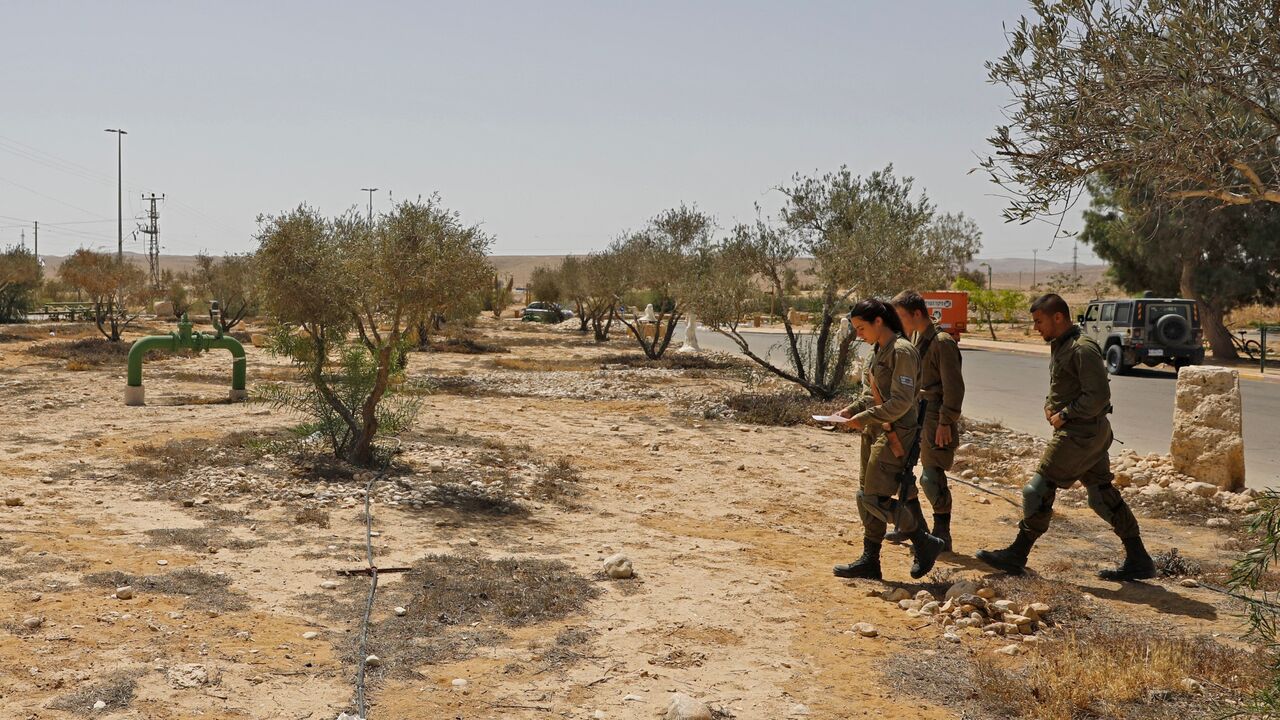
(180, 340)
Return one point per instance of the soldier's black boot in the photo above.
(926, 548)
(1137, 565)
(942, 529)
(1012, 559)
(899, 536)
(866, 567)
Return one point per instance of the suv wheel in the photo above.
(1115, 361)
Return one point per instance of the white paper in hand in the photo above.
(831, 419)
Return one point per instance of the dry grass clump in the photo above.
(456, 602)
(782, 409)
(1123, 672)
(116, 691)
(199, 588)
(94, 352)
(466, 346)
(312, 516)
(197, 539)
(1066, 602)
(675, 361)
(545, 364)
(176, 457)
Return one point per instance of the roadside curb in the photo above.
(1043, 351)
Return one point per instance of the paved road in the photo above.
(1009, 387)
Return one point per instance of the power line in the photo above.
(49, 197)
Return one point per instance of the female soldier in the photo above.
(886, 416)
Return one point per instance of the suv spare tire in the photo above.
(1173, 330)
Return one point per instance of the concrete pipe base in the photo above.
(134, 396)
(238, 395)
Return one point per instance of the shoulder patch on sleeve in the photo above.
(907, 380)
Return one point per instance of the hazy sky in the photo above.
(556, 124)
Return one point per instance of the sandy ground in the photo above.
(732, 530)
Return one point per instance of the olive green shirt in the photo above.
(1077, 378)
(894, 369)
(941, 383)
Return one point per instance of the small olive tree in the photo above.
(111, 284)
(666, 260)
(232, 282)
(20, 276)
(352, 288)
(861, 236)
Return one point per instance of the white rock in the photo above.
(459, 682)
(951, 637)
(683, 707)
(329, 585)
(373, 661)
(964, 587)
(473, 542)
(310, 635)
(618, 567)
(1010, 650)
(33, 623)
(866, 629)
(400, 612)
(1189, 583)
(124, 593)
(1192, 686)
(1203, 489)
(1208, 426)
(1217, 522)
(162, 563)
(100, 705)
(895, 595)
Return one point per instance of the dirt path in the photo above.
(732, 530)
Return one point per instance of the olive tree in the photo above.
(861, 236)
(665, 260)
(352, 288)
(232, 282)
(20, 276)
(1179, 94)
(111, 285)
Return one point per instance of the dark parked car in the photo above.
(1146, 331)
(545, 312)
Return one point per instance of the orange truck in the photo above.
(950, 310)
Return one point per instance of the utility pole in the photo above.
(371, 191)
(152, 231)
(36, 252)
(119, 192)
(1075, 252)
(1034, 256)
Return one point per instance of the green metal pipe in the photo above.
(184, 339)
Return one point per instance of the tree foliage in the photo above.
(991, 304)
(1222, 257)
(111, 285)
(544, 285)
(20, 277)
(497, 294)
(865, 236)
(1180, 93)
(346, 281)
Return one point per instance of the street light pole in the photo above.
(119, 192)
(1034, 257)
(371, 191)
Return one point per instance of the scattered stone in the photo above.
(373, 661)
(459, 682)
(1192, 686)
(683, 707)
(964, 587)
(618, 567)
(100, 705)
(1010, 650)
(162, 563)
(329, 585)
(1217, 522)
(310, 635)
(33, 623)
(986, 593)
(187, 676)
(473, 542)
(1189, 583)
(951, 637)
(866, 629)
(1203, 489)
(124, 593)
(13, 501)
(400, 612)
(895, 595)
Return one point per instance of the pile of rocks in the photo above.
(972, 608)
(630, 384)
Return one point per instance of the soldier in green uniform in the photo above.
(1077, 406)
(941, 394)
(885, 414)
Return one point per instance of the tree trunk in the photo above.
(1211, 316)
